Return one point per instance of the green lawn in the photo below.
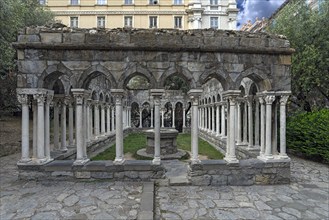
(134, 142)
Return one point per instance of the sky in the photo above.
(250, 9)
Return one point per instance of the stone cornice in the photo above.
(119, 12)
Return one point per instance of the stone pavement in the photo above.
(305, 198)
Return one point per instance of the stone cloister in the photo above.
(239, 84)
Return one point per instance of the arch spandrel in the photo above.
(93, 72)
(52, 73)
(178, 71)
(136, 70)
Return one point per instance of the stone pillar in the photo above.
(275, 129)
(88, 119)
(50, 95)
(283, 103)
(24, 100)
(257, 124)
(213, 119)
(81, 158)
(194, 96)
(157, 94)
(140, 117)
(269, 99)
(262, 126)
(223, 125)
(40, 98)
(184, 119)
(96, 119)
(245, 123)
(239, 124)
(87, 96)
(56, 124)
(112, 119)
(217, 121)
(91, 119)
(63, 125)
(35, 129)
(102, 119)
(71, 127)
(162, 118)
(152, 117)
(108, 121)
(250, 123)
(209, 119)
(124, 117)
(118, 94)
(173, 117)
(231, 95)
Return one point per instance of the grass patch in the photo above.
(184, 143)
(133, 142)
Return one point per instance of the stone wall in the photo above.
(245, 173)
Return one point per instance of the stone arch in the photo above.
(218, 98)
(101, 96)
(94, 95)
(136, 71)
(183, 73)
(208, 75)
(92, 73)
(52, 73)
(258, 76)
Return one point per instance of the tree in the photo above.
(14, 15)
(308, 32)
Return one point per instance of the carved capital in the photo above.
(118, 99)
(284, 99)
(261, 100)
(269, 99)
(23, 99)
(40, 98)
(79, 97)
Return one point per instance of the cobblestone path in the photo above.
(48, 200)
(305, 198)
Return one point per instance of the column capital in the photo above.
(79, 95)
(50, 97)
(269, 99)
(249, 99)
(284, 99)
(261, 100)
(231, 95)
(40, 98)
(195, 95)
(23, 99)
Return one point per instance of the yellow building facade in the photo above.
(181, 14)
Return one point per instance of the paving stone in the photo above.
(45, 215)
(292, 211)
(226, 204)
(261, 206)
(71, 200)
(287, 216)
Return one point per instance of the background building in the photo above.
(181, 14)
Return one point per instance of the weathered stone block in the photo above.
(145, 175)
(33, 67)
(61, 173)
(73, 37)
(59, 165)
(262, 179)
(82, 175)
(240, 180)
(28, 38)
(102, 175)
(204, 180)
(51, 37)
(219, 180)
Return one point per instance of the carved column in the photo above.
(50, 95)
(81, 158)
(230, 149)
(262, 125)
(102, 119)
(108, 120)
(112, 118)
(217, 121)
(213, 119)
(283, 103)
(96, 119)
(257, 123)
(118, 94)
(194, 95)
(275, 129)
(24, 100)
(71, 126)
(250, 123)
(223, 125)
(56, 124)
(209, 119)
(162, 118)
(88, 119)
(40, 98)
(157, 94)
(35, 129)
(184, 118)
(63, 125)
(239, 124)
(173, 117)
(245, 123)
(140, 117)
(152, 125)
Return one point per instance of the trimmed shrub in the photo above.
(308, 135)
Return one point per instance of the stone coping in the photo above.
(206, 40)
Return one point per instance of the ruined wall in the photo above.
(197, 55)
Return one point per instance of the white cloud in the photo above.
(257, 8)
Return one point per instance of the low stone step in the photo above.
(179, 181)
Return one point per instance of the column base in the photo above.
(283, 157)
(241, 144)
(119, 161)
(195, 161)
(40, 161)
(231, 159)
(156, 161)
(223, 137)
(24, 161)
(63, 149)
(266, 158)
(80, 162)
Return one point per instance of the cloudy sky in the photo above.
(250, 9)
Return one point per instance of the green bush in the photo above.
(308, 135)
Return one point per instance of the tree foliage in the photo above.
(308, 32)
(14, 15)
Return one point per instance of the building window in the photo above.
(213, 4)
(128, 2)
(178, 2)
(101, 2)
(74, 22)
(42, 2)
(178, 22)
(101, 22)
(128, 21)
(153, 2)
(214, 22)
(153, 22)
(74, 2)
